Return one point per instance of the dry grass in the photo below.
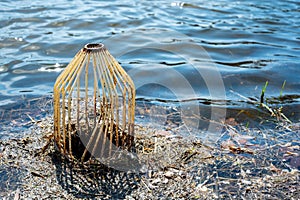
(171, 167)
(244, 163)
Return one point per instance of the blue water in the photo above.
(237, 46)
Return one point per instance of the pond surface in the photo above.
(210, 56)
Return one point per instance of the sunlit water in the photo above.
(239, 45)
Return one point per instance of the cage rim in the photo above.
(94, 47)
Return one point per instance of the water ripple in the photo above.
(250, 42)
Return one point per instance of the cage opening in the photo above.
(93, 47)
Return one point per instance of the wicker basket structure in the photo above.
(94, 103)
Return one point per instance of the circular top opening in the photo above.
(93, 47)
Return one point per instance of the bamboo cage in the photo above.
(94, 103)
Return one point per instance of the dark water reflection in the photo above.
(249, 42)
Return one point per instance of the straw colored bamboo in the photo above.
(94, 103)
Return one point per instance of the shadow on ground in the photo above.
(93, 181)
